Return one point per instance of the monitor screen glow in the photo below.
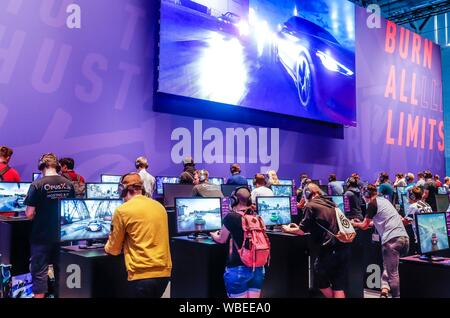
(160, 180)
(12, 196)
(432, 232)
(198, 214)
(274, 210)
(102, 191)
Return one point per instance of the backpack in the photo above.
(346, 232)
(78, 186)
(4, 171)
(255, 250)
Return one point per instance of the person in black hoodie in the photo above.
(355, 200)
(320, 220)
(188, 174)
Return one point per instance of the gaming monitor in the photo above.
(160, 180)
(432, 234)
(442, 190)
(400, 192)
(281, 190)
(110, 178)
(286, 182)
(442, 202)
(250, 183)
(216, 181)
(274, 210)
(36, 176)
(198, 214)
(12, 196)
(227, 189)
(339, 201)
(253, 54)
(102, 191)
(86, 219)
(405, 203)
(172, 191)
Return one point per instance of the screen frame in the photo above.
(196, 198)
(79, 199)
(173, 201)
(282, 185)
(13, 182)
(107, 183)
(156, 183)
(416, 217)
(265, 197)
(109, 175)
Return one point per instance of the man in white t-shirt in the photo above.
(148, 180)
(260, 190)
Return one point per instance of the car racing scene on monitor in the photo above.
(433, 232)
(86, 219)
(274, 210)
(12, 196)
(198, 214)
(256, 53)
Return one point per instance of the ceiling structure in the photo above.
(414, 13)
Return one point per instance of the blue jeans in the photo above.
(242, 279)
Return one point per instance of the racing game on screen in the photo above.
(260, 53)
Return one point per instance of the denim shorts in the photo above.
(242, 279)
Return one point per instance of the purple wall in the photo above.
(87, 93)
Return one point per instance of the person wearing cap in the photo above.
(236, 177)
(140, 228)
(7, 173)
(148, 180)
(188, 174)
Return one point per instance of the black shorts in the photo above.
(330, 269)
(42, 256)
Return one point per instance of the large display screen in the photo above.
(262, 54)
(86, 219)
(432, 232)
(12, 196)
(274, 210)
(198, 214)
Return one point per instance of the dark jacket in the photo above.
(355, 202)
(320, 211)
(187, 176)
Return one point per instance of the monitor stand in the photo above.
(198, 236)
(430, 258)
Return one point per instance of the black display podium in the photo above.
(198, 267)
(287, 275)
(101, 275)
(15, 244)
(422, 279)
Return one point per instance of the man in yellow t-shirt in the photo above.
(140, 227)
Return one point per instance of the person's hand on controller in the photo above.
(291, 228)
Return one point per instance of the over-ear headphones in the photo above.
(123, 190)
(307, 193)
(234, 199)
(42, 164)
(202, 175)
(368, 193)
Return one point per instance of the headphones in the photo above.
(368, 193)
(307, 193)
(42, 164)
(411, 195)
(383, 177)
(123, 190)
(234, 199)
(202, 175)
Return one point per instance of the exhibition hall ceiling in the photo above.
(408, 11)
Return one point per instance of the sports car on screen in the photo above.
(323, 71)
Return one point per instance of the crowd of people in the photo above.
(140, 228)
